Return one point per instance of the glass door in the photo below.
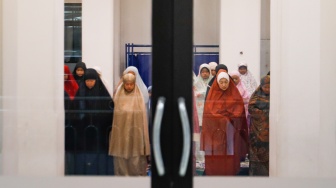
(185, 41)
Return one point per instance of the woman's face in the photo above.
(242, 70)
(213, 72)
(223, 84)
(80, 71)
(205, 73)
(90, 83)
(66, 77)
(236, 79)
(266, 88)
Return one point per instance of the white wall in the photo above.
(117, 50)
(302, 127)
(72, 1)
(135, 26)
(33, 115)
(101, 23)
(265, 20)
(264, 57)
(1, 107)
(97, 36)
(240, 31)
(206, 22)
(327, 132)
(135, 23)
(265, 37)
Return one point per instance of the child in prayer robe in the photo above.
(129, 141)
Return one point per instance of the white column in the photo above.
(117, 49)
(1, 106)
(240, 32)
(302, 127)
(33, 115)
(97, 36)
(327, 133)
(206, 22)
(134, 27)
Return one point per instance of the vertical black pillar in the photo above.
(172, 41)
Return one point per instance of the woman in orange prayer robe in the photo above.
(224, 136)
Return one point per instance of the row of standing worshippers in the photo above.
(103, 121)
(195, 129)
(233, 119)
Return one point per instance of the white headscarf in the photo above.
(247, 79)
(242, 63)
(194, 76)
(98, 69)
(202, 66)
(142, 86)
(235, 73)
(200, 87)
(199, 77)
(199, 82)
(242, 89)
(213, 65)
(223, 75)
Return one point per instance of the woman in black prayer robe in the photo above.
(94, 107)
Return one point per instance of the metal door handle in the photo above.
(156, 136)
(186, 136)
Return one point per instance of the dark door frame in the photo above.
(172, 39)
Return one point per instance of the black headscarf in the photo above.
(221, 66)
(79, 65)
(91, 74)
(94, 107)
(96, 98)
(260, 97)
